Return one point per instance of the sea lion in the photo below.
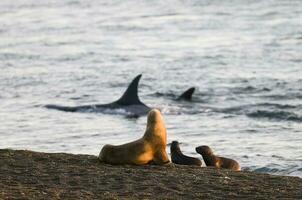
(178, 157)
(220, 162)
(150, 149)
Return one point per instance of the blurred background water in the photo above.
(244, 57)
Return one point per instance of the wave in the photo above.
(267, 170)
(243, 108)
(275, 115)
(160, 94)
(280, 106)
(249, 90)
(284, 97)
(272, 111)
(293, 170)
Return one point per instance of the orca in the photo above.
(129, 102)
(187, 95)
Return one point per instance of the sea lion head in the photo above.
(155, 125)
(204, 150)
(154, 116)
(174, 146)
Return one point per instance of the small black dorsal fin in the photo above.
(187, 95)
(130, 96)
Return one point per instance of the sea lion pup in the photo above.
(150, 149)
(220, 162)
(178, 157)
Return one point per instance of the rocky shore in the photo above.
(35, 175)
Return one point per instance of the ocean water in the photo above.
(244, 58)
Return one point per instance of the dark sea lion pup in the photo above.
(178, 157)
(151, 148)
(220, 162)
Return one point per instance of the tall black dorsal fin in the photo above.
(187, 95)
(130, 96)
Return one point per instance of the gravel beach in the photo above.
(34, 175)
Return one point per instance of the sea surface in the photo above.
(243, 57)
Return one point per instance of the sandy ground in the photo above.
(34, 175)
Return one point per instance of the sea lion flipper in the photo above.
(161, 158)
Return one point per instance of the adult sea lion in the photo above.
(151, 148)
(220, 162)
(178, 157)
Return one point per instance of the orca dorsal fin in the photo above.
(130, 96)
(187, 95)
